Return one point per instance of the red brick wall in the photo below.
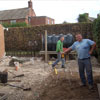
(30, 14)
(18, 20)
(22, 20)
(41, 21)
(38, 21)
(2, 44)
(51, 21)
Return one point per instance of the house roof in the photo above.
(14, 13)
(42, 17)
(91, 19)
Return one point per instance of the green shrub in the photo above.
(96, 34)
(83, 18)
(23, 38)
(19, 24)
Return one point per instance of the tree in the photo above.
(65, 22)
(83, 18)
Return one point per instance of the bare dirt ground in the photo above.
(69, 89)
(45, 84)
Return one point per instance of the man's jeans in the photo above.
(59, 59)
(85, 64)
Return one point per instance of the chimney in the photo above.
(30, 4)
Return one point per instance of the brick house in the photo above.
(2, 44)
(26, 15)
(17, 15)
(41, 20)
(91, 19)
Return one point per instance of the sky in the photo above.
(60, 10)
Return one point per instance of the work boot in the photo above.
(62, 66)
(90, 87)
(53, 66)
(82, 85)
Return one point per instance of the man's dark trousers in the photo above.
(85, 64)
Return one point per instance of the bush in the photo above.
(19, 24)
(83, 18)
(96, 35)
(24, 38)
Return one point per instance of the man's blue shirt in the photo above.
(82, 48)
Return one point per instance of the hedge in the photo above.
(96, 34)
(18, 24)
(30, 38)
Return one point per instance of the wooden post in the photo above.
(46, 58)
(2, 43)
(98, 86)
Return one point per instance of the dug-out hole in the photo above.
(66, 87)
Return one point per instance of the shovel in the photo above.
(24, 89)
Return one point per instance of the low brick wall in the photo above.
(2, 44)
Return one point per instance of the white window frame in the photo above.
(13, 21)
(0, 22)
(29, 20)
(48, 21)
(52, 22)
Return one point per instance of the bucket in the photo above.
(16, 65)
(4, 77)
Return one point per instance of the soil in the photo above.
(45, 84)
(64, 88)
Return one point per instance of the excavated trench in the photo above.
(65, 86)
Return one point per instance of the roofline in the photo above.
(12, 19)
(42, 16)
(13, 9)
(92, 17)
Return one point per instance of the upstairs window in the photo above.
(52, 22)
(0, 22)
(48, 21)
(13, 21)
(29, 20)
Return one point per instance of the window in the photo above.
(48, 21)
(52, 22)
(29, 20)
(13, 21)
(0, 22)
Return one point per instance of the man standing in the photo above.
(59, 50)
(84, 48)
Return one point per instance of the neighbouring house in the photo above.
(26, 15)
(41, 20)
(91, 19)
(17, 15)
(2, 44)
